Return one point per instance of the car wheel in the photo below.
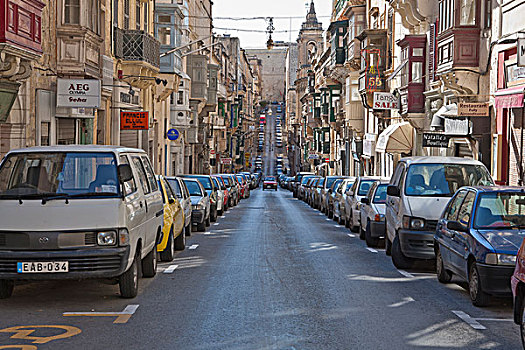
(187, 229)
(169, 252)
(477, 295)
(330, 214)
(370, 241)
(347, 223)
(149, 264)
(361, 232)
(201, 227)
(6, 288)
(398, 258)
(129, 280)
(443, 275)
(180, 241)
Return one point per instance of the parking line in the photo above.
(122, 317)
(406, 274)
(222, 217)
(170, 269)
(351, 235)
(327, 219)
(216, 224)
(207, 233)
(469, 320)
(371, 250)
(193, 247)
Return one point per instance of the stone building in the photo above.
(273, 72)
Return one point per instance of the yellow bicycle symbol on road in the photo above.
(26, 333)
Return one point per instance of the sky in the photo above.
(266, 8)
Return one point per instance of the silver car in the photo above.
(183, 195)
(200, 203)
(339, 207)
(353, 200)
(373, 214)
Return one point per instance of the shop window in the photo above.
(66, 131)
(72, 11)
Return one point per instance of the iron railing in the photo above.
(136, 45)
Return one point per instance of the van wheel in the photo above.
(129, 280)
(6, 288)
(187, 229)
(180, 241)
(388, 245)
(149, 264)
(370, 241)
(398, 258)
(477, 294)
(169, 252)
(443, 275)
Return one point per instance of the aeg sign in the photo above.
(78, 93)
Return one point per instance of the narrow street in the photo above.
(271, 274)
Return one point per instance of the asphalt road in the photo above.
(272, 274)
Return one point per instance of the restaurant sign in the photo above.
(476, 109)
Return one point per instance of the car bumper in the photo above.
(83, 263)
(495, 280)
(197, 216)
(377, 229)
(417, 244)
(274, 186)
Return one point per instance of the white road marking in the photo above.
(406, 274)
(208, 233)
(402, 302)
(338, 226)
(194, 246)
(170, 269)
(371, 250)
(122, 317)
(351, 235)
(328, 219)
(222, 217)
(216, 224)
(469, 320)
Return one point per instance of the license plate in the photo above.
(43, 267)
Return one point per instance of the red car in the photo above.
(270, 182)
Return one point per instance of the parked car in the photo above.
(233, 189)
(244, 185)
(200, 202)
(478, 237)
(226, 193)
(353, 201)
(316, 194)
(297, 181)
(270, 182)
(304, 187)
(331, 197)
(340, 200)
(373, 214)
(220, 196)
(418, 192)
(325, 193)
(207, 182)
(517, 283)
(64, 211)
(173, 236)
(182, 194)
(311, 189)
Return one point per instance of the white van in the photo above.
(418, 192)
(75, 212)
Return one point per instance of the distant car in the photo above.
(331, 197)
(182, 194)
(270, 182)
(316, 194)
(373, 214)
(232, 189)
(353, 201)
(326, 192)
(200, 202)
(220, 196)
(477, 239)
(173, 236)
(297, 181)
(339, 207)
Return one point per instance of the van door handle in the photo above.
(141, 204)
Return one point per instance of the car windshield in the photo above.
(336, 184)
(305, 179)
(269, 178)
(226, 180)
(175, 187)
(330, 181)
(193, 188)
(380, 195)
(500, 210)
(349, 186)
(321, 182)
(443, 180)
(205, 182)
(364, 186)
(39, 175)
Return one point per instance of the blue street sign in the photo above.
(173, 134)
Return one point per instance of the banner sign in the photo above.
(78, 93)
(435, 140)
(478, 109)
(457, 126)
(385, 100)
(134, 121)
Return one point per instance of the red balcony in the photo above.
(21, 25)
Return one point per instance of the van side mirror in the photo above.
(457, 226)
(393, 191)
(124, 173)
(365, 201)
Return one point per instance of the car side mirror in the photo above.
(329, 190)
(124, 173)
(365, 201)
(393, 191)
(171, 200)
(457, 226)
(205, 194)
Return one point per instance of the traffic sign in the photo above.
(173, 134)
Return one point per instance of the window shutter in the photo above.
(432, 53)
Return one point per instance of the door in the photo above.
(154, 203)
(392, 215)
(146, 189)
(178, 214)
(444, 235)
(460, 246)
(135, 210)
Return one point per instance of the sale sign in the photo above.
(134, 121)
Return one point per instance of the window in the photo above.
(115, 13)
(364, 187)
(137, 14)
(453, 208)
(488, 14)
(150, 173)
(44, 133)
(500, 209)
(72, 11)
(417, 72)
(467, 12)
(126, 14)
(142, 175)
(146, 17)
(93, 17)
(466, 208)
(176, 187)
(130, 186)
(165, 35)
(180, 98)
(380, 194)
(446, 15)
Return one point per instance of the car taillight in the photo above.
(377, 217)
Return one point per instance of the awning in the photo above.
(509, 98)
(438, 120)
(398, 69)
(397, 138)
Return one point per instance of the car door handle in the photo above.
(141, 204)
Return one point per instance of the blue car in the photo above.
(478, 237)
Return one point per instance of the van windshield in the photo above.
(443, 180)
(68, 174)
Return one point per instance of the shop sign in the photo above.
(226, 161)
(385, 100)
(247, 156)
(521, 52)
(477, 109)
(435, 140)
(78, 93)
(313, 156)
(134, 121)
(369, 144)
(457, 126)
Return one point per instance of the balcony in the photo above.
(137, 46)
